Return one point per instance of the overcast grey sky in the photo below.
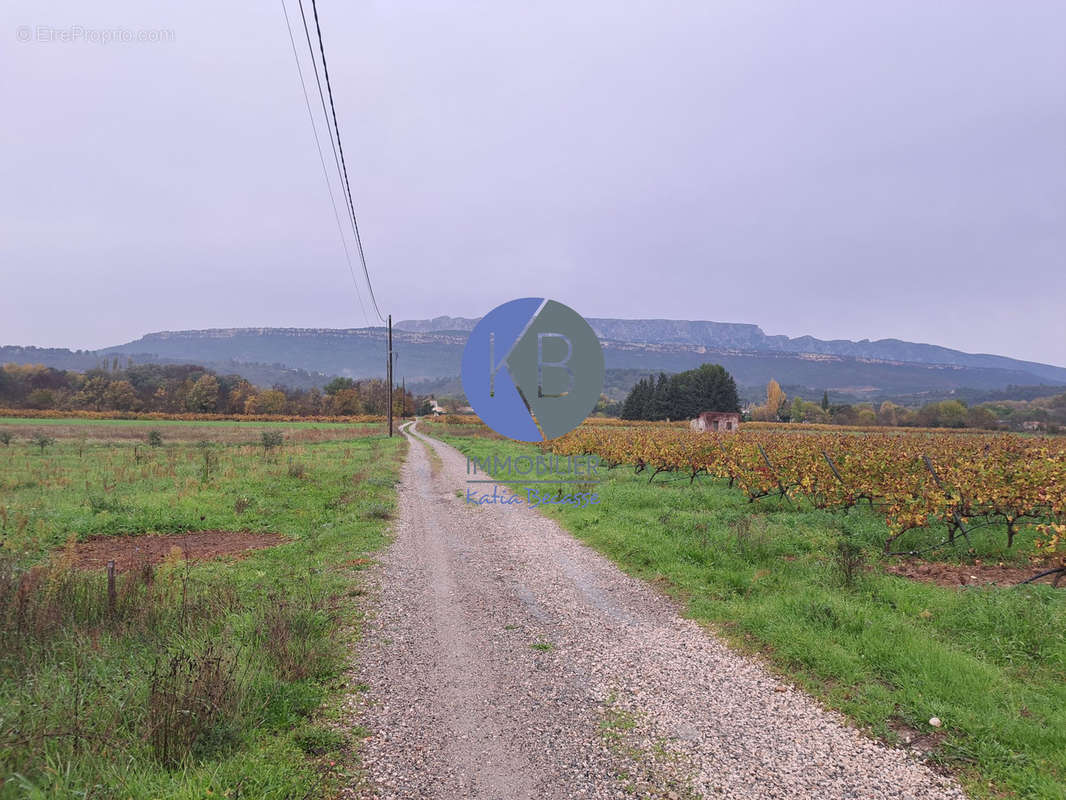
(841, 169)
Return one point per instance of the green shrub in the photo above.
(272, 440)
(42, 440)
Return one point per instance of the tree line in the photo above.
(182, 388)
(1042, 413)
(711, 388)
(682, 395)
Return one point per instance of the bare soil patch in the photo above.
(133, 552)
(957, 575)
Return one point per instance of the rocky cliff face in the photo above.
(432, 349)
(745, 337)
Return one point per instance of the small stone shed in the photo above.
(726, 421)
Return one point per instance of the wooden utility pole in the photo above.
(389, 378)
(403, 397)
(111, 593)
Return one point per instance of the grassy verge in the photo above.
(804, 589)
(194, 680)
(177, 424)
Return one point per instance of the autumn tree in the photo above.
(346, 401)
(980, 417)
(866, 416)
(337, 385)
(374, 394)
(120, 395)
(40, 398)
(203, 396)
(775, 397)
(93, 393)
(272, 401)
(888, 413)
(775, 400)
(239, 396)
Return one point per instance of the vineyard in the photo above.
(913, 480)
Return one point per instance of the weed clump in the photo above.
(379, 511)
(194, 699)
(752, 540)
(849, 560)
(42, 441)
(316, 740)
(271, 440)
(295, 636)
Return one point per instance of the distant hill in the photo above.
(351, 352)
(750, 338)
(265, 375)
(430, 350)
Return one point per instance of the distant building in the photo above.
(1032, 425)
(716, 421)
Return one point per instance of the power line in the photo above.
(326, 117)
(325, 112)
(340, 149)
(338, 154)
(322, 160)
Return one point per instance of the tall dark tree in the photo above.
(707, 388)
(682, 396)
(638, 401)
(661, 405)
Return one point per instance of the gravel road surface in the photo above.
(506, 660)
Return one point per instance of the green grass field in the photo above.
(205, 679)
(161, 423)
(889, 652)
(19, 429)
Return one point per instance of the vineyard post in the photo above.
(729, 468)
(780, 485)
(836, 474)
(833, 467)
(954, 512)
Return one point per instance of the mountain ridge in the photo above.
(749, 336)
(888, 368)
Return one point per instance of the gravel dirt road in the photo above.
(506, 660)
